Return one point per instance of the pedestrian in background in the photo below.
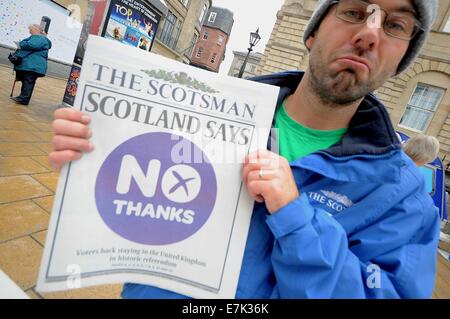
(422, 149)
(34, 53)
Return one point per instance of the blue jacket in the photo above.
(34, 51)
(363, 226)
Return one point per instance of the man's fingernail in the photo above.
(85, 119)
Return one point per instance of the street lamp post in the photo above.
(254, 39)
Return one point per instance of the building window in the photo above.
(252, 68)
(199, 52)
(212, 17)
(205, 35)
(213, 58)
(170, 30)
(421, 107)
(447, 26)
(220, 40)
(185, 2)
(192, 45)
(202, 13)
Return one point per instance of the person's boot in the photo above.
(19, 100)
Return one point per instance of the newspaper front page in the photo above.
(160, 200)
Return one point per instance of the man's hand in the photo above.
(269, 179)
(70, 138)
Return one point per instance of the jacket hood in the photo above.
(370, 131)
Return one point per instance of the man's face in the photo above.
(347, 60)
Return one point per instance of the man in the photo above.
(343, 212)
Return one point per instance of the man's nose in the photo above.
(368, 36)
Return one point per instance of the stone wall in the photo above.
(285, 49)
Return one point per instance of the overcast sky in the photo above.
(248, 16)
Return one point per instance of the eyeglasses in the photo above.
(401, 25)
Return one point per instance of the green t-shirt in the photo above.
(296, 140)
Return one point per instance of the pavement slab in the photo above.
(10, 166)
(40, 237)
(20, 219)
(49, 180)
(20, 259)
(20, 149)
(45, 203)
(18, 136)
(16, 188)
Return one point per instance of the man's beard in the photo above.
(339, 88)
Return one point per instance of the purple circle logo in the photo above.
(147, 192)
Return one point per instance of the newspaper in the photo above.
(160, 200)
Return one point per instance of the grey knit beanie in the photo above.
(426, 10)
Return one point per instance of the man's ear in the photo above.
(310, 41)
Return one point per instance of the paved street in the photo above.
(27, 186)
